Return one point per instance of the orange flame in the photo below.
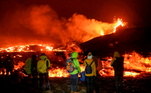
(118, 23)
(19, 65)
(58, 72)
(26, 48)
(134, 65)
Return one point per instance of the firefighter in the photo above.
(117, 64)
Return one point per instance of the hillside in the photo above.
(126, 40)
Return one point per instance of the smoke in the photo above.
(84, 29)
(40, 24)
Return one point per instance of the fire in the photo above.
(131, 74)
(58, 72)
(19, 65)
(118, 23)
(137, 62)
(84, 29)
(28, 48)
(61, 72)
(134, 65)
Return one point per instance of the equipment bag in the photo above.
(70, 66)
(88, 69)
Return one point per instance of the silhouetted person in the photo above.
(2, 65)
(98, 68)
(9, 65)
(117, 64)
(34, 72)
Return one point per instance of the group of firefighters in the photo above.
(37, 68)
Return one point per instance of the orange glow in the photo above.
(111, 29)
(118, 23)
(134, 65)
(137, 62)
(26, 48)
(61, 72)
(58, 72)
(131, 74)
(84, 29)
(19, 65)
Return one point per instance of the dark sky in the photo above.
(134, 11)
(20, 18)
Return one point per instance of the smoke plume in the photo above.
(40, 24)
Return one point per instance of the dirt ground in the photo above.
(62, 85)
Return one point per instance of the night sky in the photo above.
(18, 18)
